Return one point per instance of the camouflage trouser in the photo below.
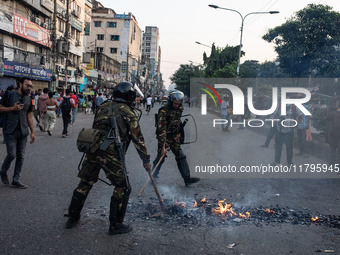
(175, 147)
(108, 161)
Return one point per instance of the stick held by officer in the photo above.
(120, 114)
(169, 135)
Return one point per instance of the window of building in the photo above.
(73, 33)
(61, 26)
(114, 37)
(147, 50)
(100, 37)
(111, 24)
(147, 44)
(113, 50)
(133, 62)
(97, 23)
(100, 49)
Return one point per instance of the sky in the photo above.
(182, 23)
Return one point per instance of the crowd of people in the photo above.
(120, 117)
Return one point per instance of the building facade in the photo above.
(25, 42)
(114, 37)
(151, 59)
(68, 42)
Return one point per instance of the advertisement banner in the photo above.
(21, 70)
(31, 31)
(6, 21)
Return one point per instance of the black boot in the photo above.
(117, 214)
(74, 209)
(183, 168)
(190, 180)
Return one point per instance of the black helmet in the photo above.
(176, 95)
(124, 92)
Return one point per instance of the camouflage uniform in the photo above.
(109, 161)
(168, 135)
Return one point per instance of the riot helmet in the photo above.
(124, 92)
(176, 96)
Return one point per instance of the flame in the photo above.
(269, 211)
(315, 219)
(246, 215)
(182, 204)
(224, 209)
(204, 200)
(195, 204)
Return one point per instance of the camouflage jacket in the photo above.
(131, 129)
(169, 123)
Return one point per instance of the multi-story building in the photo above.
(151, 57)
(25, 42)
(69, 42)
(117, 37)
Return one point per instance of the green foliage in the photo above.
(250, 69)
(319, 121)
(182, 77)
(264, 90)
(308, 43)
(220, 62)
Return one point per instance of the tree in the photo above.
(222, 62)
(309, 42)
(250, 69)
(183, 75)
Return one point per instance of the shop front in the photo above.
(11, 71)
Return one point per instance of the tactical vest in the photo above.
(173, 119)
(103, 124)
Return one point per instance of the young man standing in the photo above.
(18, 107)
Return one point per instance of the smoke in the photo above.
(172, 194)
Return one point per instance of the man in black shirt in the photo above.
(17, 105)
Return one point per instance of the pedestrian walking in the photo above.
(225, 113)
(75, 108)
(169, 135)
(333, 116)
(50, 115)
(148, 103)
(99, 100)
(42, 110)
(18, 107)
(110, 157)
(88, 104)
(285, 135)
(66, 105)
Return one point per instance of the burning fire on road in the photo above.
(219, 212)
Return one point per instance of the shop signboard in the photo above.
(21, 70)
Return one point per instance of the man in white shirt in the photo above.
(148, 103)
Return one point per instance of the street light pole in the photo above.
(242, 18)
(203, 44)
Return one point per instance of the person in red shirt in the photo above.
(74, 110)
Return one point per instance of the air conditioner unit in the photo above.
(75, 13)
(37, 21)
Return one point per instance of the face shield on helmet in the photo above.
(125, 92)
(176, 97)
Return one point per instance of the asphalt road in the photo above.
(32, 220)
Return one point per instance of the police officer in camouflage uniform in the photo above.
(109, 161)
(168, 135)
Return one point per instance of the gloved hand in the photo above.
(148, 167)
